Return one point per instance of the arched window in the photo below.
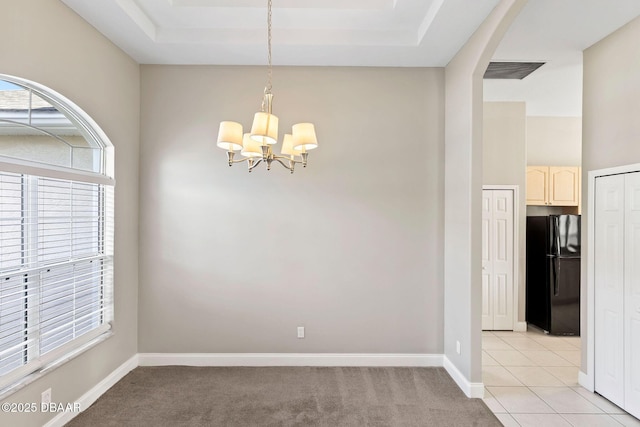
(56, 229)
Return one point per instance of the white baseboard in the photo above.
(98, 390)
(520, 327)
(472, 390)
(289, 359)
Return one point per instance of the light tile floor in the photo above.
(531, 379)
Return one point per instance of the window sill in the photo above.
(25, 381)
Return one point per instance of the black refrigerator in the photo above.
(553, 273)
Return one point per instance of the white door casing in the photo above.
(609, 281)
(632, 294)
(498, 259)
(487, 301)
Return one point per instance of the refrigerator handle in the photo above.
(556, 273)
(556, 235)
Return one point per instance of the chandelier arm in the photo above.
(253, 164)
(287, 158)
(238, 161)
(277, 158)
(231, 156)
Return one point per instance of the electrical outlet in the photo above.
(300, 331)
(46, 397)
(458, 347)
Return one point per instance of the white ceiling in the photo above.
(367, 33)
(305, 32)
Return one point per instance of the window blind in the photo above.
(56, 269)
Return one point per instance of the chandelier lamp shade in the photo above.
(257, 146)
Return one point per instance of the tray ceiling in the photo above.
(345, 32)
(305, 32)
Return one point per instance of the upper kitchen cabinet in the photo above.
(553, 185)
(564, 186)
(537, 185)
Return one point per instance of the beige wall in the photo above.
(504, 163)
(45, 42)
(554, 141)
(611, 115)
(503, 149)
(350, 247)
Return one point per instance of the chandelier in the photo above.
(257, 145)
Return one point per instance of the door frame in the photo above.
(587, 379)
(517, 326)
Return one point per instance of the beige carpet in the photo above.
(306, 396)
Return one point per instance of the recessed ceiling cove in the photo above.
(305, 32)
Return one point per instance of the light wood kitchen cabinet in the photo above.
(537, 185)
(553, 185)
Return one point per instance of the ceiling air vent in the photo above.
(511, 70)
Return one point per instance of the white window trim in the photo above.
(9, 164)
(20, 377)
(82, 118)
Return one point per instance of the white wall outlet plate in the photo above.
(458, 347)
(300, 331)
(46, 397)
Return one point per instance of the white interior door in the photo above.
(608, 280)
(497, 259)
(632, 294)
